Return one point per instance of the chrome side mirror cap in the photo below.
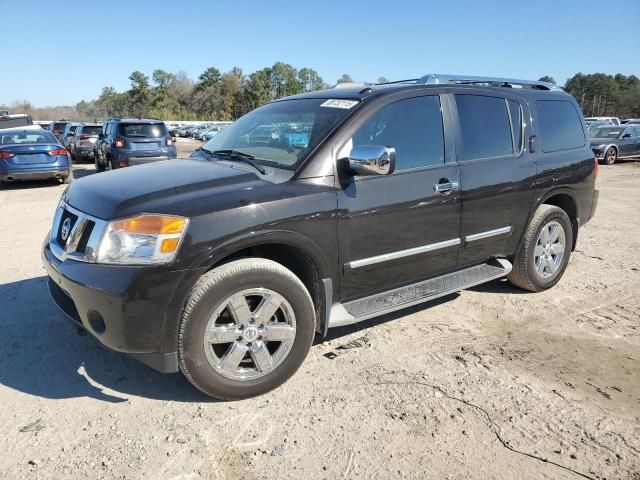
(372, 160)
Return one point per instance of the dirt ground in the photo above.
(489, 383)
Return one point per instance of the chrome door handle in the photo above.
(445, 187)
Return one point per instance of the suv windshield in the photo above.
(282, 134)
(607, 132)
(153, 130)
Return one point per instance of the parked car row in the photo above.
(30, 152)
(204, 131)
(610, 143)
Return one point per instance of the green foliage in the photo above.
(345, 79)
(547, 79)
(229, 95)
(602, 95)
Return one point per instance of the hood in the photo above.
(171, 187)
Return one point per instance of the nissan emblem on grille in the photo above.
(65, 229)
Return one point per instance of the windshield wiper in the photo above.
(239, 156)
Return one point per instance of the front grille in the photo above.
(64, 302)
(85, 232)
(66, 214)
(84, 238)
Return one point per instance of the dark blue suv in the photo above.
(127, 142)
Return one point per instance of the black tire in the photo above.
(610, 156)
(99, 165)
(524, 273)
(209, 293)
(68, 179)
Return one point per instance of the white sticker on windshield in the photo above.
(334, 103)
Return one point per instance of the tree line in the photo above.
(226, 96)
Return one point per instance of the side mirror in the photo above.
(101, 136)
(626, 135)
(372, 160)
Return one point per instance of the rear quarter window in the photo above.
(560, 126)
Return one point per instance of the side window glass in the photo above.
(560, 126)
(412, 126)
(629, 133)
(484, 127)
(515, 113)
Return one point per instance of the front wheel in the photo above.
(247, 327)
(610, 156)
(544, 251)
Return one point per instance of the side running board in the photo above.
(399, 298)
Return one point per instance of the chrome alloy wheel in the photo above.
(550, 249)
(250, 334)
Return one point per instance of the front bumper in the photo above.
(130, 309)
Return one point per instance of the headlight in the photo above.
(145, 239)
(599, 147)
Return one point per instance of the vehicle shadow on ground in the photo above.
(501, 286)
(83, 171)
(41, 354)
(78, 172)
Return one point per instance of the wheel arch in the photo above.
(565, 199)
(294, 251)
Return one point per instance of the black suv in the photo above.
(128, 142)
(321, 210)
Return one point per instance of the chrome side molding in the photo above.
(385, 257)
(487, 234)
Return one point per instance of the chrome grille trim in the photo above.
(69, 249)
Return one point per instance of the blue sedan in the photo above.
(32, 153)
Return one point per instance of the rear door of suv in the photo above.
(497, 172)
(144, 142)
(397, 229)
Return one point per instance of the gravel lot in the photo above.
(489, 383)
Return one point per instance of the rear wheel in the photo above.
(97, 160)
(69, 178)
(610, 156)
(247, 327)
(544, 250)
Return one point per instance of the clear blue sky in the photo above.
(58, 53)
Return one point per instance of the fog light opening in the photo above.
(96, 321)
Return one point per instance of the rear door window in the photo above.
(485, 127)
(560, 126)
(146, 130)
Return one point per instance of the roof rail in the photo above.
(438, 78)
(351, 84)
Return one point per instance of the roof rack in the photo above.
(351, 84)
(438, 78)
